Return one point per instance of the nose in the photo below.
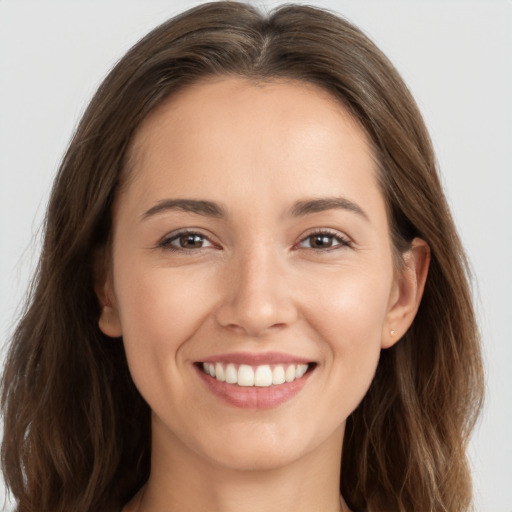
(257, 297)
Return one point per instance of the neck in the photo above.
(183, 481)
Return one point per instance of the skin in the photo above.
(255, 285)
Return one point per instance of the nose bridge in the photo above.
(257, 297)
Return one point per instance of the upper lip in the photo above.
(256, 359)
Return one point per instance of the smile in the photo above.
(255, 381)
(246, 375)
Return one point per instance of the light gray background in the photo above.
(456, 58)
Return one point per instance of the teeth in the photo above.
(219, 372)
(231, 374)
(278, 376)
(290, 373)
(245, 375)
(263, 376)
(259, 376)
(300, 371)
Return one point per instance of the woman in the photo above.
(251, 291)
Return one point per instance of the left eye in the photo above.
(188, 241)
(323, 241)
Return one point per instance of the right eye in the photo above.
(186, 241)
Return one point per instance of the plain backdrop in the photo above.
(456, 57)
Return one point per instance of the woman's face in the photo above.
(251, 236)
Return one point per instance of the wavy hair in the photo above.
(76, 430)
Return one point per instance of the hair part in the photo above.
(76, 430)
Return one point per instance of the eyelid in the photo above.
(165, 241)
(344, 240)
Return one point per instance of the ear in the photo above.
(407, 292)
(109, 321)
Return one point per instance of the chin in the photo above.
(263, 447)
(261, 457)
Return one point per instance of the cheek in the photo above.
(349, 305)
(347, 315)
(160, 309)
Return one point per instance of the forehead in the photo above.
(283, 104)
(286, 136)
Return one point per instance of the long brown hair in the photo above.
(76, 430)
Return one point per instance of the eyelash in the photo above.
(343, 241)
(166, 243)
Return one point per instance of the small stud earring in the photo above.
(392, 332)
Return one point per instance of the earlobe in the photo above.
(108, 322)
(407, 293)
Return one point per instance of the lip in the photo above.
(253, 359)
(254, 397)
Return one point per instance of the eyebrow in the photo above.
(211, 209)
(302, 208)
(199, 207)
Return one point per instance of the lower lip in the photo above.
(254, 397)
